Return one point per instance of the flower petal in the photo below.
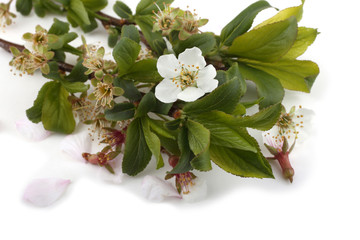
(44, 192)
(190, 94)
(117, 177)
(166, 91)
(192, 58)
(168, 45)
(76, 145)
(198, 191)
(156, 189)
(206, 79)
(168, 66)
(32, 131)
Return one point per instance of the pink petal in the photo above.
(76, 145)
(31, 131)
(156, 189)
(117, 177)
(44, 192)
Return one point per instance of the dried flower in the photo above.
(5, 14)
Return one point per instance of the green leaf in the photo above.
(224, 98)
(242, 22)
(153, 142)
(77, 8)
(305, 37)
(24, 6)
(155, 39)
(40, 10)
(173, 125)
(285, 14)
(198, 136)
(113, 37)
(122, 10)
(89, 27)
(137, 154)
(146, 7)
(293, 74)
(146, 104)
(186, 155)
(130, 31)
(157, 126)
(170, 145)
(59, 27)
(34, 113)
(206, 42)
(268, 87)
(95, 5)
(120, 112)
(74, 87)
(125, 54)
(77, 74)
(268, 43)
(202, 162)
(241, 163)
(222, 133)
(57, 112)
(131, 92)
(143, 71)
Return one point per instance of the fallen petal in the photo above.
(198, 191)
(31, 131)
(116, 165)
(76, 145)
(44, 192)
(156, 189)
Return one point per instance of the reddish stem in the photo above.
(288, 171)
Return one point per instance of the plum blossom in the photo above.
(156, 189)
(44, 192)
(31, 131)
(186, 78)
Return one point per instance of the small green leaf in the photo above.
(113, 37)
(34, 113)
(125, 54)
(74, 87)
(157, 126)
(24, 6)
(120, 112)
(118, 91)
(224, 98)
(268, 43)
(269, 87)
(95, 5)
(57, 112)
(137, 154)
(186, 155)
(293, 74)
(131, 92)
(305, 37)
(130, 31)
(146, 7)
(78, 9)
(77, 74)
(285, 14)
(59, 27)
(198, 136)
(143, 71)
(241, 163)
(173, 125)
(153, 142)
(202, 162)
(146, 104)
(122, 10)
(242, 22)
(40, 10)
(205, 42)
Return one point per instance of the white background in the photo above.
(322, 203)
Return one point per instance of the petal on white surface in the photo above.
(166, 91)
(198, 191)
(44, 192)
(156, 189)
(168, 66)
(117, 177)
(190, 94)
(192, 57)
(76, 145)
(32, 131)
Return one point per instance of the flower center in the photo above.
(187, 78)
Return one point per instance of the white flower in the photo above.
(31, 131)
(76, 145)
(294, 125)
(185, 78)
(44, 192)
(156, 189)
(197, 191)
